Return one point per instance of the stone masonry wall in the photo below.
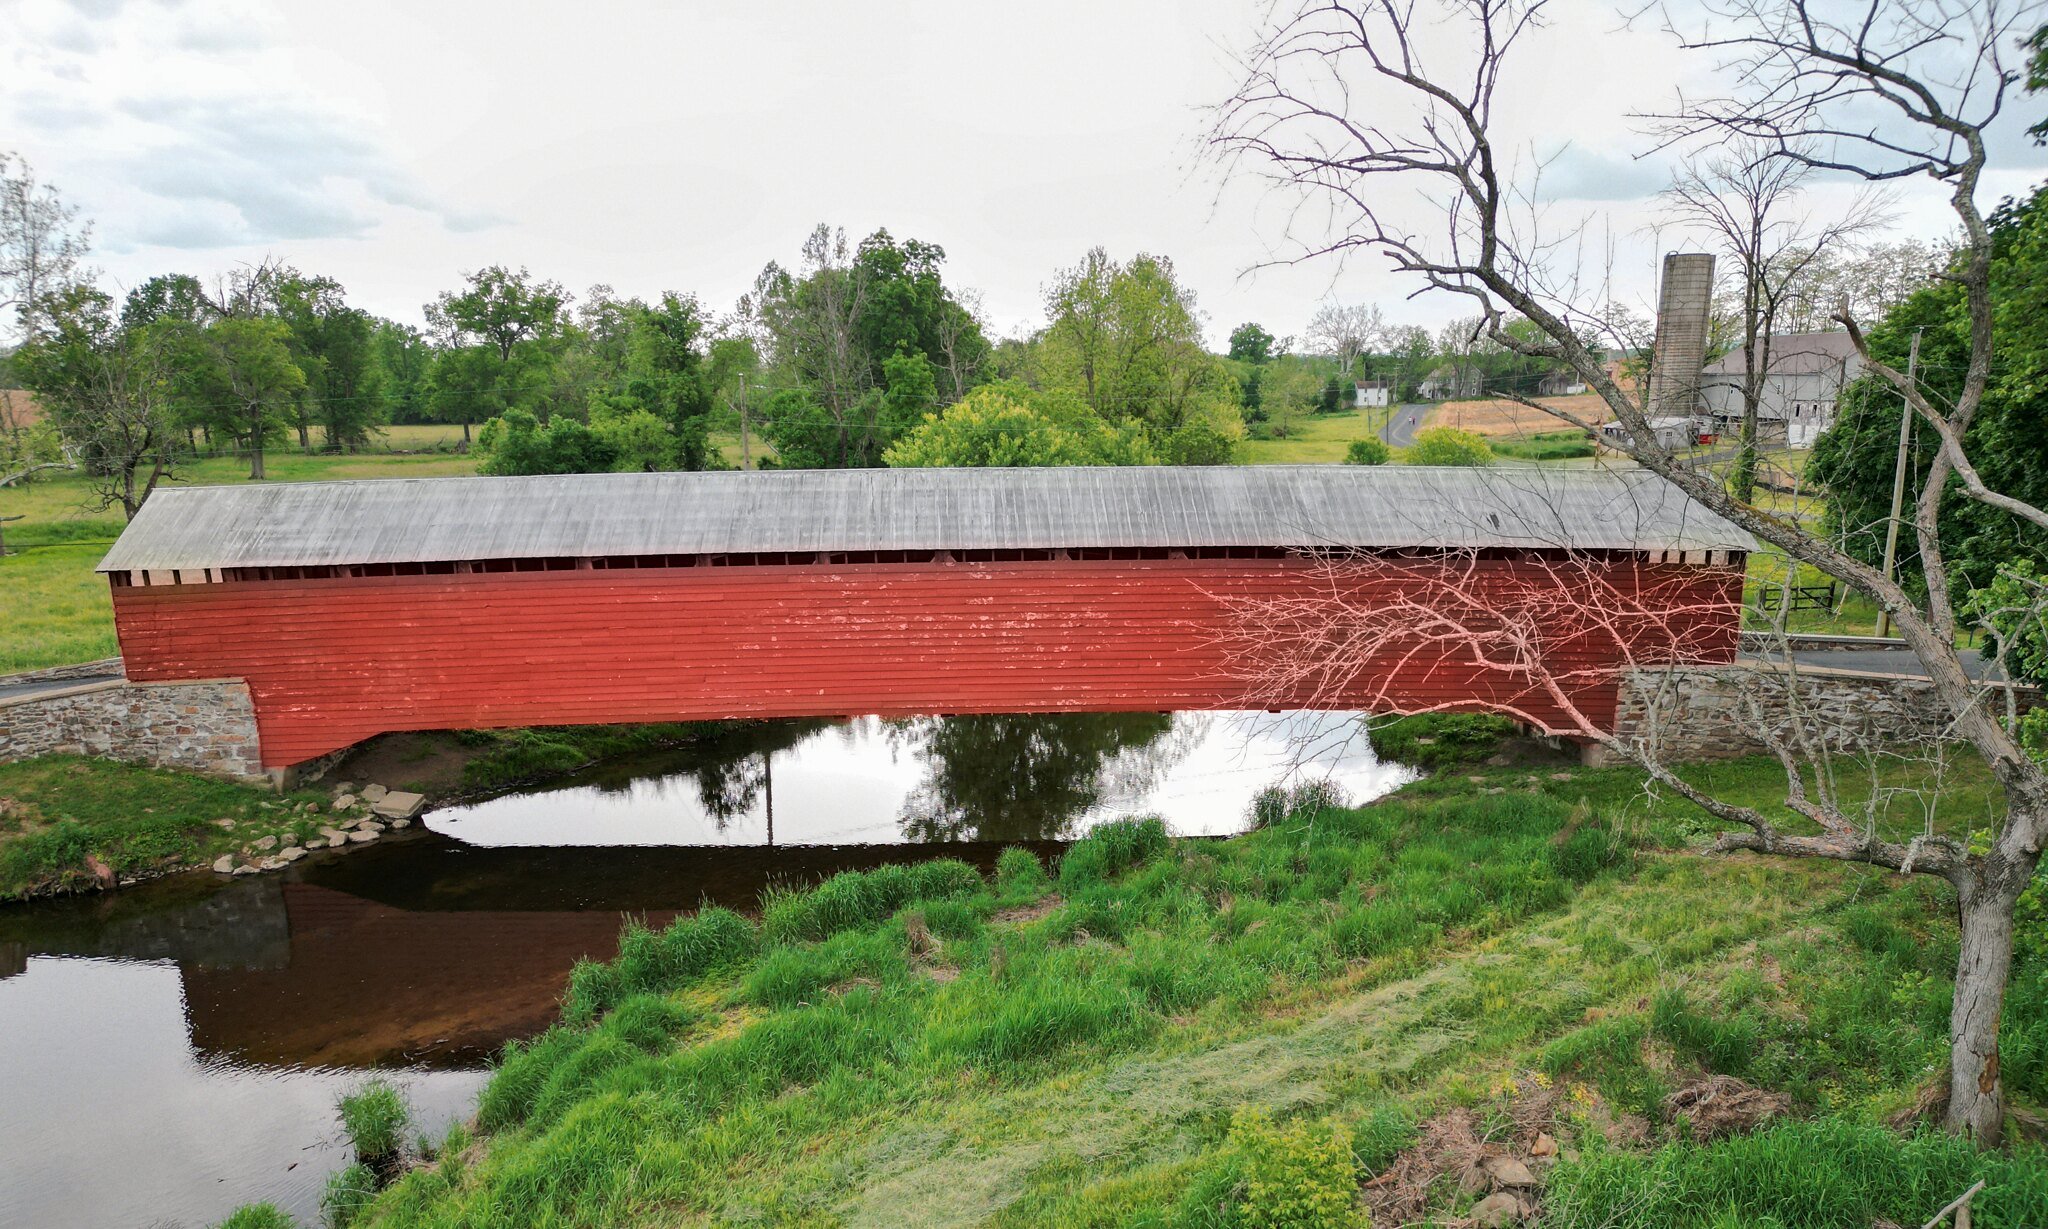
(207, 727)
(1710, 713)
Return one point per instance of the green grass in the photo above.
(54, 609)
(1316, 438)
(60, 813)
(1167, 1033)
(1545, 446)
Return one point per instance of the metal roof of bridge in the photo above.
(426, 520)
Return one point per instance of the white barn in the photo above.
(1804, 377)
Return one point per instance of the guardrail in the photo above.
(1810, 641)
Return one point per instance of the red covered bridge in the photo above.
(356, 608)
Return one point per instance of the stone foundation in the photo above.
(1720, 712)
(207, 727)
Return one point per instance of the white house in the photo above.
(1374, 396)
(1803, 376)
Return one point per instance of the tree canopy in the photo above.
(1008, 423)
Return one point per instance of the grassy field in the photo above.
(1316, 438)
(1325, 1018)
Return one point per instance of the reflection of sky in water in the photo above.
(97, 1073)
(874, 782)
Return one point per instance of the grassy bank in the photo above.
(1291, 1027)
(68, 823)
(1316, 438)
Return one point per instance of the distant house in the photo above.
(1560, 384)
(1803, 380)
(1374, 396)
(1671, 433)
(1450, 382)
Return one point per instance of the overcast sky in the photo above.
(659, 146)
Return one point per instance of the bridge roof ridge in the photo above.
(422, 520)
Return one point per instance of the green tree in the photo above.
(333, 344)
(1126, 338)
(105, 386)
(2007, 441)
(509, 315)
(1448, 446)
(842, 328)
(244, 381)
(517, 443)
(1006, 423)
(405, 365)
(1250, 344)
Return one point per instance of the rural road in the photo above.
(1402, 425)
(1880, 661)
(9, 691)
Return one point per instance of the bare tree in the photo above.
(1343, 102)
(813, 323)
(1346, 331)
(41, 243)
(1752, 202)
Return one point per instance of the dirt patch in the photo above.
(1021, 914)
(428, 763)
(1723, 1105)
(1509, 418)
(1449, 1149)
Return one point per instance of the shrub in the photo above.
(375, 1118)
(1820, 1174)
(1110, 849)
(1371, 451)
(854, 899)
(1301, 1176)
(348, 1192)
(1435, 741)
(1448, 446)
(1276, 804)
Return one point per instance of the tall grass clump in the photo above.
(1304, 799)
(349, 1190)
(258, 1216)
(375, 1118)
(1020, 876)
(853, 899)
(656, 961)
(1110, 849)
(1821, 1174)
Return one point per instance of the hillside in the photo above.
(1494, 994)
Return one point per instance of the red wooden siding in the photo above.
(333, 661)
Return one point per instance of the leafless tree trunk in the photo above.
(1341, 104)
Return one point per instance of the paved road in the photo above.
(9, 691)
(1881, 661)
(1403, 424)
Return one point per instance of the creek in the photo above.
(172, 1051)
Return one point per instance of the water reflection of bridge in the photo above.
(421, 951)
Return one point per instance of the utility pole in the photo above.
(746, 446)
(1891, 531)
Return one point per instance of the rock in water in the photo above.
(361, 836)
(224, 865)
(374, 793)
(290, 853)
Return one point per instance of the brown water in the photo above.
(170, 1052)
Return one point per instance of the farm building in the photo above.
(1804, 373)
(355, 608)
